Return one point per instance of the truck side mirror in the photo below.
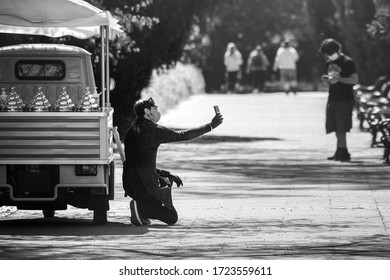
(112, 84)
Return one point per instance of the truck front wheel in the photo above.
(100, 217)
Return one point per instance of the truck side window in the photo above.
(40, 70)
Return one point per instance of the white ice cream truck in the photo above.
(56, 131)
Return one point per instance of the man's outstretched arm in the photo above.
(166, 135)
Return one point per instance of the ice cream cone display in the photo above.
(96, 96)
(88, 103)
(64, 103)
(13, 102)
(3, 98)
(39, 103)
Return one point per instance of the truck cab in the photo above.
(56, 137)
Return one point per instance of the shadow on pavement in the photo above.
(286, 168)
(240, 239)
(207, 139)
(212, 240)
(66, 227)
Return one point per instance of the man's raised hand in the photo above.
(216, 121)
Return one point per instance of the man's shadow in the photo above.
(69, 227)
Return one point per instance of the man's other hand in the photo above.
(176, 179)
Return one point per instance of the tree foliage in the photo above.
(155, 32)
(380, 25)
(306, 22)
(248, 23)
(353, 17)
(158, 47)
(348, 21)
(160, 32)
(379, 29)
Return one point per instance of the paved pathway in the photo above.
(258, 187)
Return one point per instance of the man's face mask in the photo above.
(154, 114)
(333, 57)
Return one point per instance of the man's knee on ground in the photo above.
(172, 219)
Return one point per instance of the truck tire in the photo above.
(48, 213)
(100, 217)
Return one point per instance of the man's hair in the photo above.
(140, 106)
(330, 46)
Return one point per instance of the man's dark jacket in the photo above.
(141, 141)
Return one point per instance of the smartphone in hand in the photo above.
(216, 109)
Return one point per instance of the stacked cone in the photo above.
(88, 103)
(39, 103)
(13, 102)
(63, 103)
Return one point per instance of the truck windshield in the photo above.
(40, 70)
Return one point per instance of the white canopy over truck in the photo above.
(56, 137)
(55, 18)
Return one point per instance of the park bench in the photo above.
(372, 105)
(375, 119)
(384, 128)
(366, 101)
(364, 89)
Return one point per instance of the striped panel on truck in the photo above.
(38, 137)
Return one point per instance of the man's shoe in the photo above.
(335, 156)
(346, 158)
(344, 155)
(135, 217)
(145, 221)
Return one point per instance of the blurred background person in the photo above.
(286, 62)
(233, 62)
(257, 65)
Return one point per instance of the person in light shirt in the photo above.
(286, 62)
(233, 62)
